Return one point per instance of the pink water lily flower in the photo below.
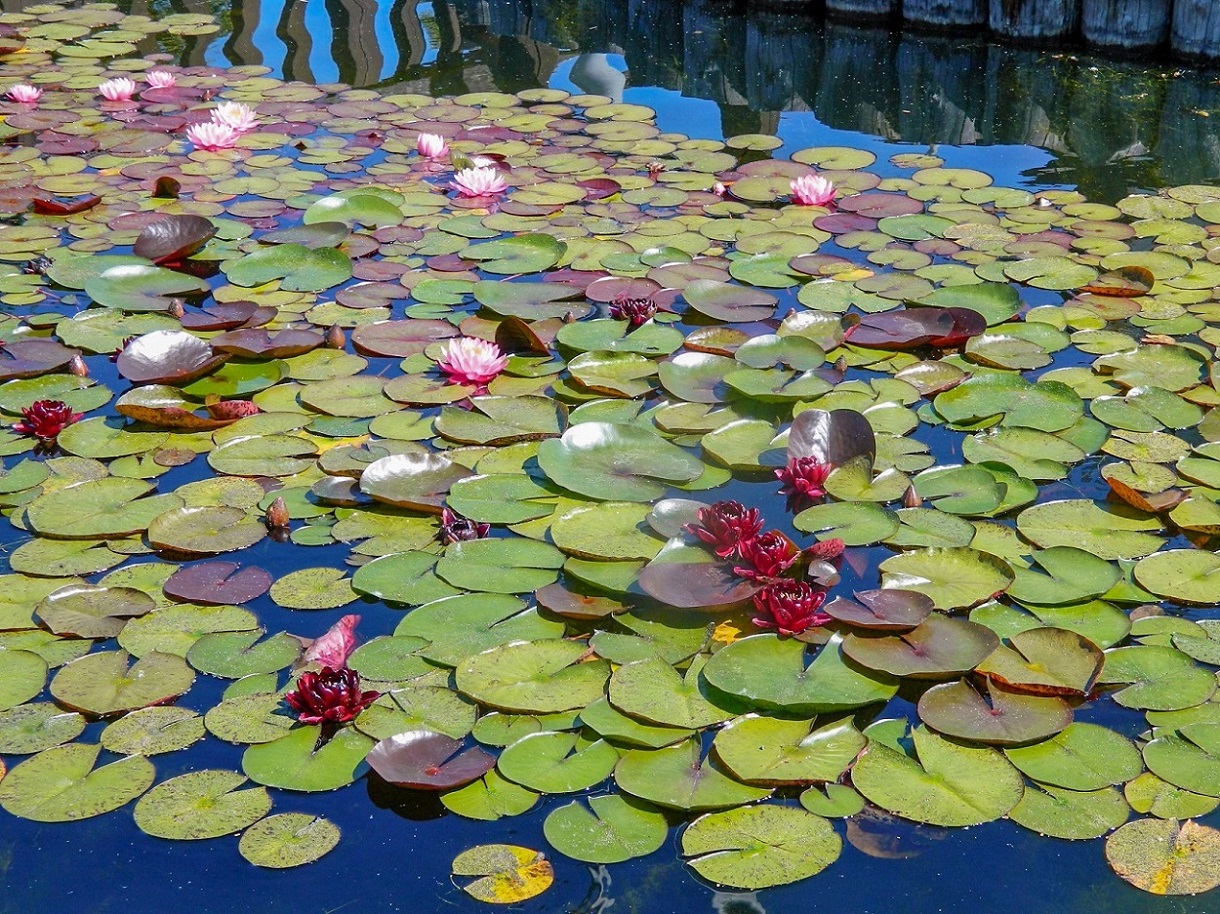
(160, 79)
(431, 146)
(812, 190)
(212, 136)
(468, 360)
(120, 89)
(24, 94)
(236, 115)
(334, 647)
(483, 181)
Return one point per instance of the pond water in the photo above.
(1034, 120)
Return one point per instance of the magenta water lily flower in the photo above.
(636, 311)
(330, 696)
(24, 94)
(45, 419)
(804, 481)
(790, 607)
(812, 190)
(455, 528)
(212, 136)
(468, 360)
(483, 181)
(160, 79)
(119, 89)
(726, 525)
(431, 145)
(235, 115)
(767, 556)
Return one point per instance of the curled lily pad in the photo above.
(1009, 718)
(939, 647)
(428, 761)
(167, 357)
(173, 238)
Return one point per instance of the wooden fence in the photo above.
(1190, 27)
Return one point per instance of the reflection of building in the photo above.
(1126, 124)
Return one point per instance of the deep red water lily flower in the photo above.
(726, 525)
(804, 481)
(767, 556)
(636, 311)
(45, 420)
(790, 607)
(827, 550)
(455, 528)
(329, 696)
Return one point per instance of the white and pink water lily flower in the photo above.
(236, 115)
(483, 181)
(119, 89)
(24, 94)
(468, 360)
(212, 136)
(431, 145)
(812, 190)
(160, 79)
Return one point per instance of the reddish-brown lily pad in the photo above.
(884, 610)
(428, 761)
(217, 583)
(173, 238)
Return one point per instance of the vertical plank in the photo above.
(1196, 29)
(1126, 24)
(944, 14)
(1034, 20)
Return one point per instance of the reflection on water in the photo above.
(1109, 126)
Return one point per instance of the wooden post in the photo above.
(1127, 24)
(1196, 29)
(944, 14)
(1034, 20)
(862, 9)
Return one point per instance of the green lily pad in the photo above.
(201, 804)
(153, 731)
(757, 847)
(954, 578)
(103, 684)
(506, 566)
(1156, 678)
(676, 777)
(36, 726)
(1070, 814)
(945, 783)
(294, 762)
(61, 784)
(557, 762)
(533, 676)
(1188, 758)
(287, 840)
(957, 710)
(1105, 532)
(770, 672)
(772, 752)
(615, 461)
(611, 829)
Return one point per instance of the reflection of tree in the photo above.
(1109, 125)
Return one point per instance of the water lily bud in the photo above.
(176, 308)
(78, 367)
(911, 498)
(335, 337)
(277, 515)
(841, 363)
